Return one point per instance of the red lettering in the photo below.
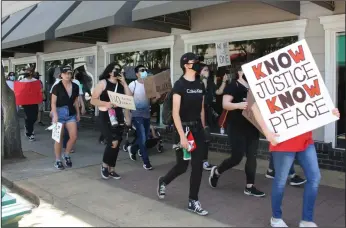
(313, 90)
(297, 56)
(271, 105)
(258, 71)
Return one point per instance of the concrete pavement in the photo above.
(79, 197)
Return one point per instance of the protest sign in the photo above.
(248, 114)
(158, 84)
(28, 93)
(122, 100)
(290, 91)
(56, 131)
(222, 54)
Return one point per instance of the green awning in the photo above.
(341, 50)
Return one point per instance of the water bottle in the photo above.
(222, 131)
(112, 117)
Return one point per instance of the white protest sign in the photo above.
(56, 131)
(122, 100)
(290, 91)
(222, 54)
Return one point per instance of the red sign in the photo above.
(28, 93)
(191, 141)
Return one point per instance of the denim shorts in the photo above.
(64, 115)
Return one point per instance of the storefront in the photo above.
(19, 64)
(335, 75)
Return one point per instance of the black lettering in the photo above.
(307, 112)
(287, 63)
(275, 124)
(272, 87)
(286, 99)
(307, 71)
(299, 73)
(278, 83)
(271, 66)
(300, 113)
(318, 107)
(302, 97)
(287, 119)
(261, 95)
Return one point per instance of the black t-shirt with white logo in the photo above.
(191, 93)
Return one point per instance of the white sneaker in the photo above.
(307, 224)
(274, 222)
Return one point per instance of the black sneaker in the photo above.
(67, 160)
(161, 188)
(114, 175)
(196, 207)
(297, 180)
(41, 124)
(253, 192)
(31, 138)
(131, 155)
(59, 165)
(207, 166)
(147, 166)
(213, 178)
(270, 174)
(104, 172)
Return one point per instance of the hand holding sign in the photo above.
(122, 100)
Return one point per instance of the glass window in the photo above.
(341, 90)
(155, 61)
(19, 69)
(84, 71)
(239, 52)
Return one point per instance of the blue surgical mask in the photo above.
(12, 78)
(144, 74)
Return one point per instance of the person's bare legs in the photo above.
(72, 132)
(57, 146)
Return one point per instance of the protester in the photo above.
(31, 111)
(295, 179)
(10, 82)
(81, 105)
(242, 135)
(41, 106)
(284, 153)
(110, 80)
(65, 110)
(141, 116)
(188, 114)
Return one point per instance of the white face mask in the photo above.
(12, 78)
(144, 74)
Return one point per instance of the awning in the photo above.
(4, 18)
(40, 24)
(149, 9)
(90, 15)
(14, 20)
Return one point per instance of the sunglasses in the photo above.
(143, 70)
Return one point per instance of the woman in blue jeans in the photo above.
(65, 110)
(284, 153)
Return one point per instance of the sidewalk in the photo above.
(79, 197)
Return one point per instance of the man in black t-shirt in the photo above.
(188, 115)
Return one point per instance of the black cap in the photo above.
(37, 74)
(66, 69)
(186, 58)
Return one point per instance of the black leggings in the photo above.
(31, 112)
(110, 133)
(196, 163)
(241, 144)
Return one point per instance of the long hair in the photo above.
(109, 69)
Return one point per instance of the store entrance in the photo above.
(341, 91)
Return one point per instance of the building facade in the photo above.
(156, 34)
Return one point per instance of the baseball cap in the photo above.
(37, 74)
(186, 58)
(66, 69)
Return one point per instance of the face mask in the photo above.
(144, 74)
(196, 67)
(12, 78)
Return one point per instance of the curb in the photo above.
(21, 191)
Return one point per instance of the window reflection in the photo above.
(240, 52)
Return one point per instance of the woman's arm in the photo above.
(222, 87)
(53, 108)
(227, 103)
(76, 105)
(127, 90)
(203, 114)
(95, 98)
(176, 115)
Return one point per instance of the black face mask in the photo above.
(196, 67)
